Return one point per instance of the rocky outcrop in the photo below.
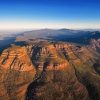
(95, 44)
(17, 72)
(16, 58)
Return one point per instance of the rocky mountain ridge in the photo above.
(32, 69)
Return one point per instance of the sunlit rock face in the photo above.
(17, 72)
(16, 58)
(46, 70)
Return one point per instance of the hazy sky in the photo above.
(19, 14)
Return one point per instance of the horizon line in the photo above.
(30, 29)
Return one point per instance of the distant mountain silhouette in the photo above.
(75, 36)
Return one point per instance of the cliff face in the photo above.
(49, 70)
(17, 72)
(16, 58)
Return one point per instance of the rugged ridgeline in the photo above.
(43, 70)
(95, 44)
(16, 73)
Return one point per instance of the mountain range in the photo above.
(50, 64)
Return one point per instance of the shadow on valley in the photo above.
(56, 85)
(32, 88)
(97, 67)
(6, 43)
(80, 38)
